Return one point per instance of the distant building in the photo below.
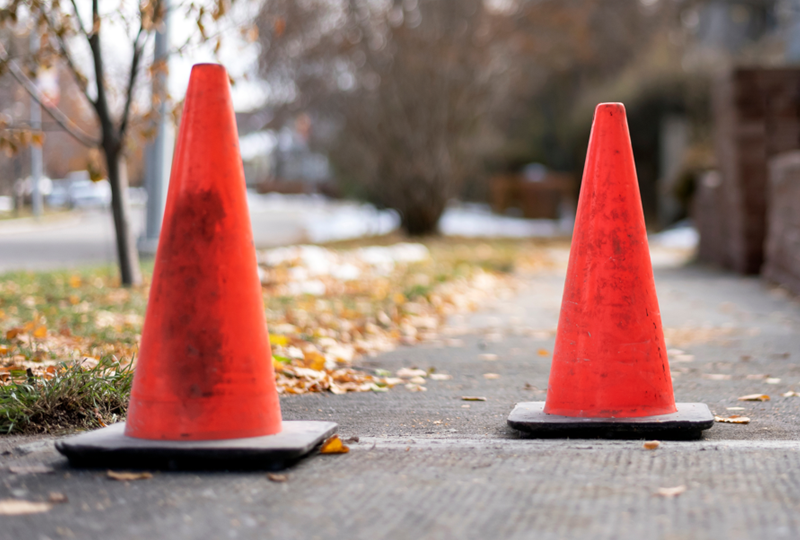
(296, 162)
(280, 159)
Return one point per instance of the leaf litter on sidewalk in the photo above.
(68, 340)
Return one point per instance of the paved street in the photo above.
(85, 238)
(429, 465)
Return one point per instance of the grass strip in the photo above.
(74, 396)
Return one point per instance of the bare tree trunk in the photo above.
(130, 273)
(419, 208)
(421, 220)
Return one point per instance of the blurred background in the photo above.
(358, 117)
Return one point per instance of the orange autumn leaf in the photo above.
(334, 445)
(40, 332)
(128, 476)
(314, 360)
(12, 333)
(74, 282)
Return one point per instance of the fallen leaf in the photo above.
(74, 281)
(670, 491)
(416, 380)
(275, 339)
(735, 408)
(3, 349)
(754, 397)
(16, 507)
(488, 356)
(40, 332)
(491, 376)
(440, 376)
(57, 497)
(716, 376)
(543, 352)
(314, 360)
(37, 468)
(411, 387)
(334, 445)
(651, 445)
(683, 358)
(13, 332)
(407, 373)
(126, 476)
(733, 419)
(472, 398)
(274, 477)
(791, 393)
(773, 380)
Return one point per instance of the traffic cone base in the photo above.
(110, 447)
(687, 423)
(610, 373)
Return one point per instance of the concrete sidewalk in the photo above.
(429, 465)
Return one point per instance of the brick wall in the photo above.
(782, 247)
(756, 116)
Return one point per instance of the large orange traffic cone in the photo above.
(610, 370)
(204, 387)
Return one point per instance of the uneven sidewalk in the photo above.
(431, 465)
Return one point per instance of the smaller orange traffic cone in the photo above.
(610, 372)
(204, 388)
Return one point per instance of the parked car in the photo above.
(59, 196)
(88, 194)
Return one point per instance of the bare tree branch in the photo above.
(80, 78)
(137, 55)
(60, 118)
(101, 103)
(78, 18)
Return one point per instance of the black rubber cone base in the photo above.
(688, 423)
(110, 448)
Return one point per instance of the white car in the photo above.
(88, 194)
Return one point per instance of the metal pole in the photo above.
(158, 154)
(36, 151)
(792, 47)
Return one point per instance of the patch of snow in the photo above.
(313, 287)
(343, 221)
(479, 221)
(385, 258)
(682, 237)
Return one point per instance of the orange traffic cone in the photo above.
(204, 388)
(610, 371)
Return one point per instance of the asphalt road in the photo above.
(85, 238)
(430, 465)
